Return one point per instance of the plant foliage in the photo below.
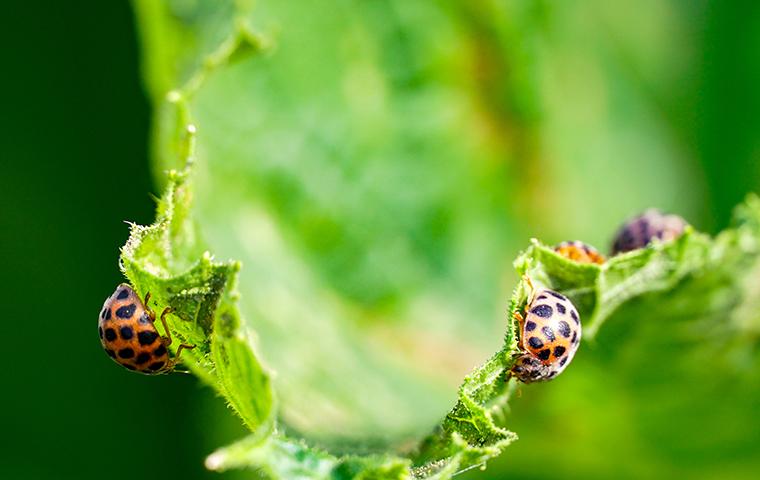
(226, 173)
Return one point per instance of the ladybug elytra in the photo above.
(129, 336)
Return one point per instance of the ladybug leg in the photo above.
(167, 339)
(149, 310)
(183, 346)
(520, 326)
(519, 317)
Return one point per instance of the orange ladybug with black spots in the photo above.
(129, 336)
(580, 252)
(550, 333)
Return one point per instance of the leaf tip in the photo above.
(215, 461)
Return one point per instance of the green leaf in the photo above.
(317, 263)
(281, 457)
(706, 266)
(281, 120)
(163, 259)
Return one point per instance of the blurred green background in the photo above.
(402, 172)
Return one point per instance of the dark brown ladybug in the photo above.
(639, 231)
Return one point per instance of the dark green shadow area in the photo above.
(74, 142)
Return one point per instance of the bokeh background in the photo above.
(569, 117)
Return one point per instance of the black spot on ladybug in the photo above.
(544, 354)
(126, 353)
(144, 319)
(156, 366)
(147, 337)
(111, 353)
(559, 350)
(103, 313)
(557, 295)
(561, 308)
(142, 358)
(549, 333)
(100, 332)
(126, 311)
(563, 362)
(128, 366)
(575, 337)
(126, 333)
(541, 297)
(564, 328)
(543, 311)
(110, 334)
(124, 293)
(574, 315)
(535, 342)
(530, 326)
(160, 351)
(107, 312)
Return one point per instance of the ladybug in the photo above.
(550, 333)
(129, 336)
(639, 231)
(580, 252)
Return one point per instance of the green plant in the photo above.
(203, 293)
(236, 175)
